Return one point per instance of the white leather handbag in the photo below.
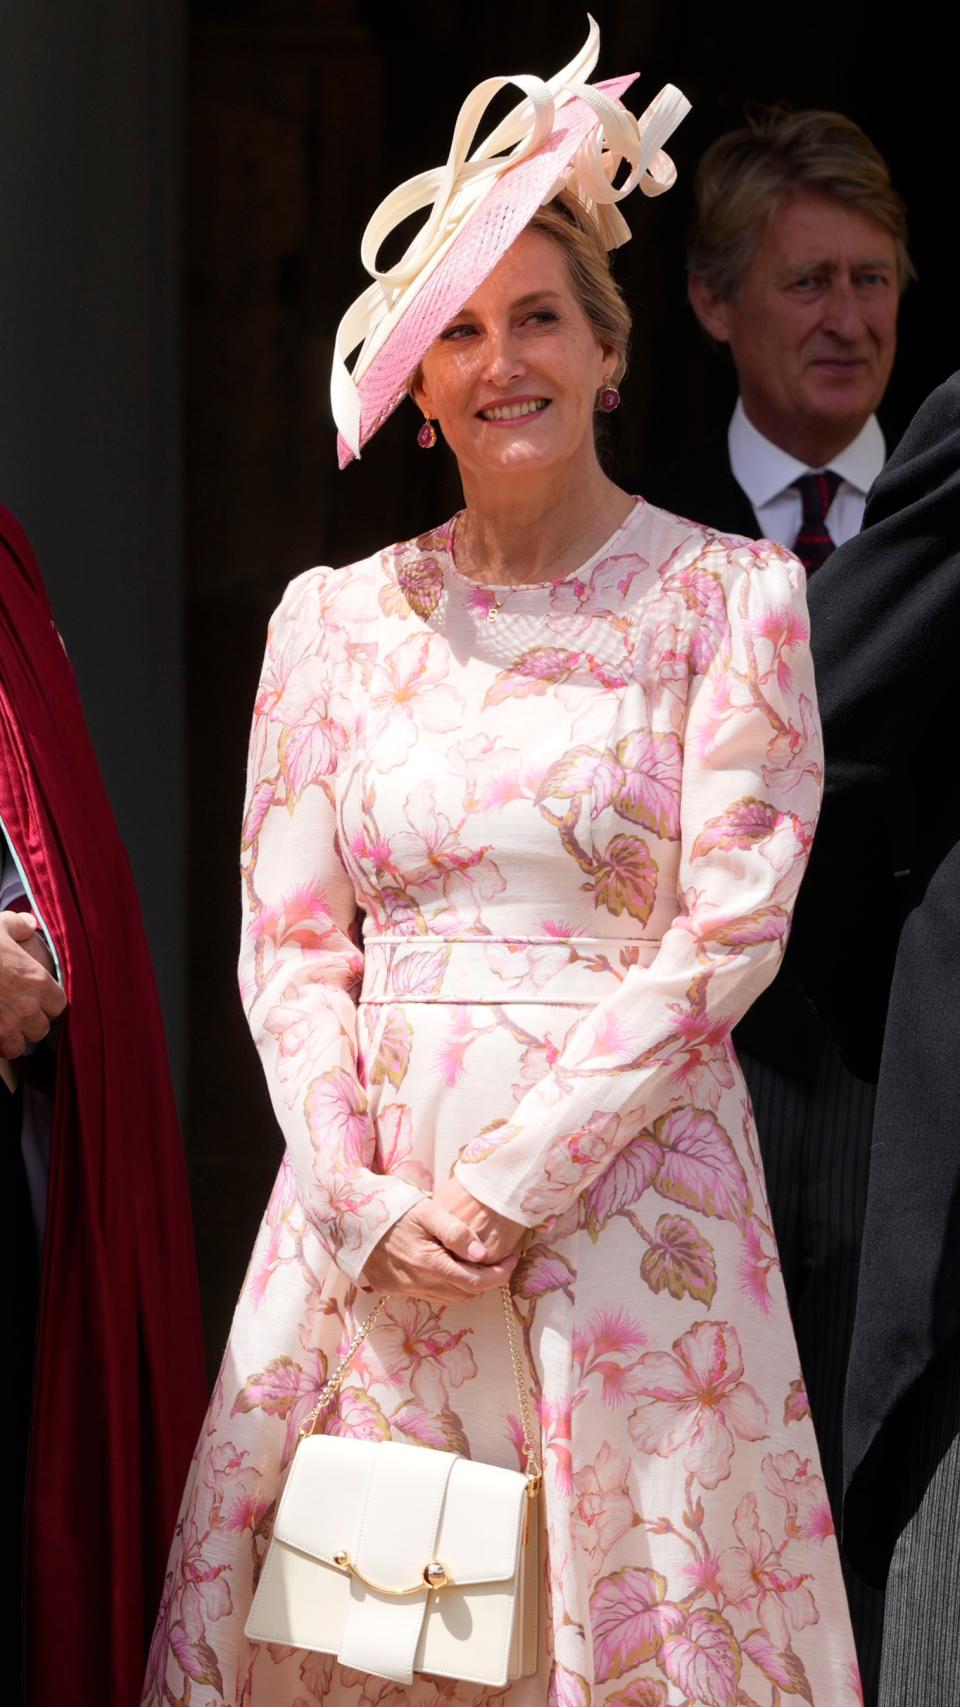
(403, 1559)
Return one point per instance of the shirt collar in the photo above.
(764, 470)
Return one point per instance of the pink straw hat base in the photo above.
(497, 222)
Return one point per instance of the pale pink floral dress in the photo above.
(567, 841)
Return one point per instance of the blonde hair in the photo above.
(747, 175)
(588, 263)
(594, 286)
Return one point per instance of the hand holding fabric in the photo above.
(30, 997)
(429, 1253)
(499, 1235)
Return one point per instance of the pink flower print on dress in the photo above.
(795, 755)
(338, 1118)
(419, 975)
(577, 1157)
(421, 582)
(306, 1035)
(701, 592)
(466, 1025)
(804, 1494)
(284, 1388)
(567, 1688)
(526, 965)
(609, 1346)
(782, 630)
(623, 1183)
(643, 1692)
(537, 1060)
(357, 1415)
(240, 1500)
(704, 1067)
(314, 710)
(542, 1270)
(310, 747)
(532, 673)
(779, 1665)
(796, 1405)
(410, 1336)
(582, 773)
(555, 1425)
(624, 878)
(577, 604)
(302, 916)
(340, 1211)
(629, 1618)
(695, 1398)
(409, 693)
(757, 1262)
(201, 1598)
(395, 1147)
(393, 1034)
(659, 653)
(493, 775)
(604, 1511)
(700, 1166)
(649, 795)
(751, 823)
(680, 1260)
(704, 1661)
(436, 863)
(754, 1579)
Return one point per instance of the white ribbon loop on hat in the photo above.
(452, 193)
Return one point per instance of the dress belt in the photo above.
(578, 970)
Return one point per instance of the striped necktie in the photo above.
(813, 544)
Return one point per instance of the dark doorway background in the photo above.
(301, 115)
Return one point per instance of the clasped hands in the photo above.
(448, 1247)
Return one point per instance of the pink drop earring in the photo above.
(427, 436)
(608, 399)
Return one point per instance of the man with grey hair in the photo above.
(797, 259)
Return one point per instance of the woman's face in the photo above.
(513, 379)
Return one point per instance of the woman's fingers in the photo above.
(418, 1257)
(451, 1232)
(469, 1280)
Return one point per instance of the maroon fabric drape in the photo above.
(119, 1384)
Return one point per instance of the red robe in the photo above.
(119, 1382)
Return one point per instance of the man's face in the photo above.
(813, 326)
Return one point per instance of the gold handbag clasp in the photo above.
(434, 1576)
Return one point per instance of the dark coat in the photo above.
(885, 614)
(119, 1382)
(701, 487)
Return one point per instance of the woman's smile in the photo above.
(512, 410)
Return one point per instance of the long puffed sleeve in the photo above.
(299, 968)
(750, 790)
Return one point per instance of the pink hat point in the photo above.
(565, 135)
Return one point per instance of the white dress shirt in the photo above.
(767, 473)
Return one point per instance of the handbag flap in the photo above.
(396, 1508)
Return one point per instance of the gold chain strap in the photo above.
(331, 1387)
(528, 1445)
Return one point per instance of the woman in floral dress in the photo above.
(529, 800)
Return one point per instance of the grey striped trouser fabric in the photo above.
(815, 1141)
(921, 1633)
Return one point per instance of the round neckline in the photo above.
(496, 587)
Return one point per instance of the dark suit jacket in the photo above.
(701, 487)
(779, 1028)
(885, 613)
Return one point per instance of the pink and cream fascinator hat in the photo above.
(566, 135)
